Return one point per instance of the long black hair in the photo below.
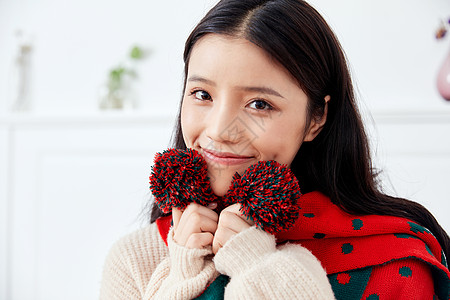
(337, 162)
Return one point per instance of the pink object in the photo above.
(443, 79)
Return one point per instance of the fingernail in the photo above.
(212, 205)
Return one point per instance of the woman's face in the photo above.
(240, 107)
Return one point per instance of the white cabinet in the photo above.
(74, 186)
(4, 148)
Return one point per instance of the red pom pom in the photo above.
(269, 194)
(178, 178)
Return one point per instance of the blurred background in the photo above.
(89, 91)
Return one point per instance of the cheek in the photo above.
(281, 142)
(188, 124)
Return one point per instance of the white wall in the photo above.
(75, 43)
(390, 45)
(392, 49)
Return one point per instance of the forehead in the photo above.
(236, 59)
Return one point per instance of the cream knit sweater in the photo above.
(141, 266)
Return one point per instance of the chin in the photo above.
(220, 188)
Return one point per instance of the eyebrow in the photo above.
(201, 79)
(259, 89)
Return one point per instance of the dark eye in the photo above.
(201, 95)
(260, 105)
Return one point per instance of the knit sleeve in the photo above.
(117, 281)
(130, 263)
(400, 279)
(140, 267)
(260, 270)
(184, 274)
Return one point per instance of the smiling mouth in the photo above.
(225, 158)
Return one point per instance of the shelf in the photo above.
(405, 116)
(87, 118)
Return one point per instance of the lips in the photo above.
(225, 158)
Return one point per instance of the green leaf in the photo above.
(136, 53)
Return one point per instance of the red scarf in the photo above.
(366, 257)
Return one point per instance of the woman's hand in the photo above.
(195, 226)
(231, 222)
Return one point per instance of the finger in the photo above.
(232, 221)
(236, 209)
(199, 240)
(229, 225)
(212, 205)
(195, 223)
(195, 214)
(207, 212)
(195, 219)
(176, 216)
(221, 237)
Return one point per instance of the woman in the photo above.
(267, 80)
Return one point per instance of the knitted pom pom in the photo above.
(269, 194)
(178, 178)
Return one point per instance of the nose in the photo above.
(224, 124)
